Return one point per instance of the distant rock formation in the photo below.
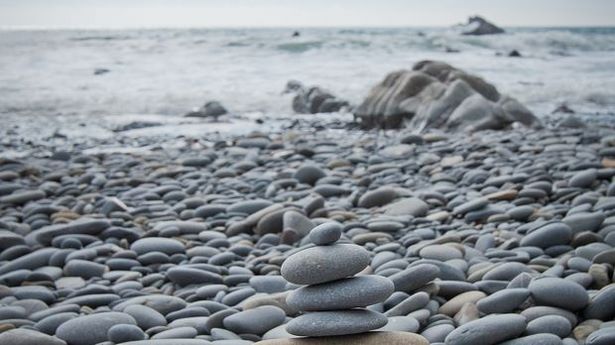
(213, 109)
(313, 100)
(479, 26)
(437, 95)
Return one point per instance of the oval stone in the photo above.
(323, 264)
(342, 294)
(340, 322)
(558, 292)
(91, 329)
(489, 330)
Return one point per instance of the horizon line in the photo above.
(169, 27)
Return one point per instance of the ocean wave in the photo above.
(299, 47)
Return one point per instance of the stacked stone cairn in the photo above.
(334, 301)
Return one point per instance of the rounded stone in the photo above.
(604, 336)
(554, 324)
(453, 306)
(84, 269)
(326, 233)
(91, 329)
(440, 252)
(602, 305)
(548, 235)
(489, 330)
(309, 174)
(323, 264)
(184, 276)
(145, 316)
(157, 244)
(124, 333)
(339, 322)
(535, 339)
(558, 292)
(414, 277)
(377, 197)
(583, 179)
(255, 321)
(503, 301)
(342, 294)
(370, 338)
(22, 336)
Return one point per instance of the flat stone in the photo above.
(550, 234)
(326, 233)
(377, 197)
(557, 292)
(184, 276)
(414, 277)
(347, 293)
(146, 317)
(255, 321)
(506, 271)
(324, 264)
(161, 303)
(91, 329)
(503, 301)
(553, 324)
(489, 330)
(341, 322)
(602, 305)
(370, 338)
(83, 226)
(22, 336)
(168, 342)
(440, 252)
(604, 336)
(437, 333)
(408, 305)
(157, 244)
(542, 339)
(407, 206)
(583, 179)
(125, 333)
(453, 306)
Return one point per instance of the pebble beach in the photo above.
(320, 186)
(309, 234)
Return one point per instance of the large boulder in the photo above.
(480, 26)
(313, 100)
(435, 94)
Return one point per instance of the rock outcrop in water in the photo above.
(314, 100)
(480, 26)
(213, 109)
(437, 95)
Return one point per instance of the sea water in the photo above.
(171, 71)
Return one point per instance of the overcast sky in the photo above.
(301, 13)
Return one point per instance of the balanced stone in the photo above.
(339, 322)
(341, 294)
(324, 264)
(326, 233)
(371, 338)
